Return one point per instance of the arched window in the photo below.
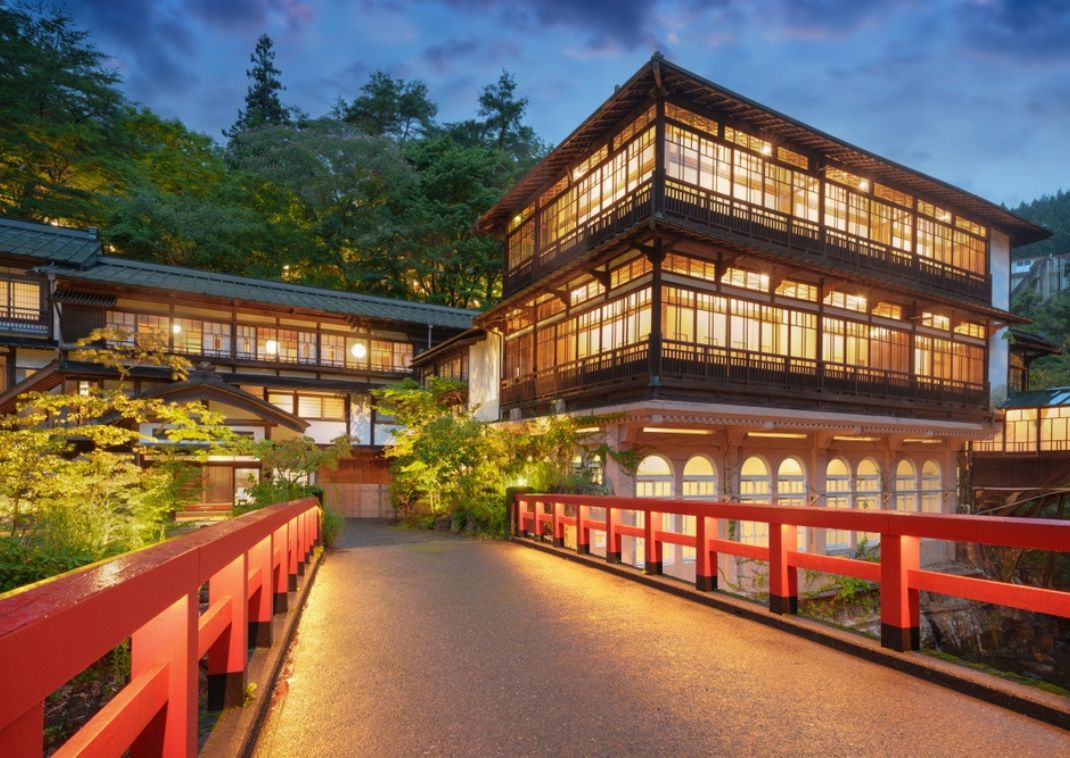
(791, 490)
(906, 487)
(868, 492)
(755, 486)
(837, 495)
(931, 487)
(700, 478)
(653, 477)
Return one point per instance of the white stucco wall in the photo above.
(484, 377)
(325, 431)
(360, 415)
(998, 348)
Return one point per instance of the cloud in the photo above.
(828, 19)
(1020, 31)
(153, 42)
(622, 22)
(251, 15)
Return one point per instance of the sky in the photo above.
(973, 92)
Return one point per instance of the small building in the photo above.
(278, 359)
(1046, 276)
(762, 310)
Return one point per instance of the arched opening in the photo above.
(906, 487)
(868, 492)
(653, 478)
(932, 486)
(791, 490)
(700, 478)
(837, 495)
(755, 486)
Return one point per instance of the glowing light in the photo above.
(864, 185)
(176, 328)
(854, 438)
(673, 430)
(767, 149)
(359, 350)
(587, 430)
(923, 440)
(778, 435)
(272, 347)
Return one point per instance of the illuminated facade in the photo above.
(798, 319)
(279, 360)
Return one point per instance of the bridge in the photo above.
(413, 643)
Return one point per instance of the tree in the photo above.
(262, 104)
(61, 119)
(503, 115)
(72, 489)
(392, 108)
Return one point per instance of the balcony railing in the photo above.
(690, 363)
(621, 215)
(704, 208)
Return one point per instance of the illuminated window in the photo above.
(187, 335)
(306, 348)
(246, 342)
(837, 495)
(888, 310)
(906, 487)
(840, 299)
(935, 321)
(792, 158)
(791, 490)
(748, 141)
(585, 292)
(695, 121)
(653, 478)
(868, 492)
(894, 196)
(695, 268)
(321, 407)
(152, 331)
(125, 325)
(931, 487)
(755, 486)
(20, 300)
(970, 329)
(798, 290)
(934, 212)
(633, 269)
(750, 280)
(215, 339)
(1054, 427)
(334, 349)
(700, 479)
(282, 400)
(854, 181)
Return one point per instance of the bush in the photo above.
(331, 525)
(22, 563)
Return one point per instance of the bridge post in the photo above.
(583, 533)
(612, 536)
(291, 552)
(260, 603)
(557, 524)
(783, 577)
(170, 637)
(652, 547)
(900, 554)
(280, 580)
(705, 559)
(226, 658)
(301, 539)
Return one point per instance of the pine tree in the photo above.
(262, 104)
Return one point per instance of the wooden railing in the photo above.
(704, 208)
(708, 364)
(618, 217)
(899, 572)
(52, 631)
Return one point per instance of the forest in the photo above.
(375, 196)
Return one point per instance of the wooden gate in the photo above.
(359, 500)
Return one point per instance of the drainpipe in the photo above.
(429, 336)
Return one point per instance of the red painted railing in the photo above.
(899, 572)
(54, 630)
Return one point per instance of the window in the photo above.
(653, 478)
(837, 495)
(700, 479)
(791, 490)
(282, 400)
(321, 407)
(838, 299)
(868, 492)
(750, 280)
(186, 335)
(334, 349)
(247, 342)
(124, 323)
(20, 299)
(754, 487)
(215, 339)
(1054, 427)
(695, 268)
(633, 269)
(306, 348)
(931, 488)
(906, 487)
(797, 290)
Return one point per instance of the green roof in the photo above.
(156, 276)
(55, 244)
(1038, 398)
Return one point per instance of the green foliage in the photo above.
(389, 107)
(290, 468)
(1052, 212)
(446, 463)
(1051, 320)
(331, 525)
(262, 104)
(77, 480)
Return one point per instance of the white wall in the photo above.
(360, 415)
(998, 349)
(325, 431)
(484, 377)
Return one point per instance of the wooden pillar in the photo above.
(226, 658)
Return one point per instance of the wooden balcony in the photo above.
(702, 208)
(720, 371)
(619, 217)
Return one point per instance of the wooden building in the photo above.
(767, 312)
(278, 359)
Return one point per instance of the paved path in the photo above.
(423, 644)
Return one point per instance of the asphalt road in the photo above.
(421, 644)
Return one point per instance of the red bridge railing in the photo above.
(899, 573)
(53, 631)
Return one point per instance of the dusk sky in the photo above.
(974, 92)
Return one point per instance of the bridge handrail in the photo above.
(899, 572)
(53, 630)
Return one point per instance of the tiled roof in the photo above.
(659, 73)
(1038, 398)
(129, 273)
(54, 244)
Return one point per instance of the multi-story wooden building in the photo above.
(278, 359)
(766, 312)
